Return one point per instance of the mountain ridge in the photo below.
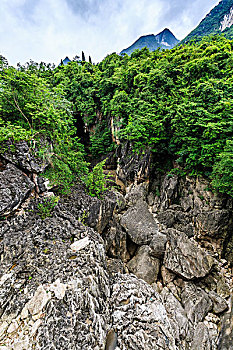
(164, 40)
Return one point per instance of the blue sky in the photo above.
(48, 30)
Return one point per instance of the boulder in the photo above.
(219, 304)
(136, 193)
(139, 223)
(144, 266)
(185, 258)
(139, 317)
(15, 187)
(201, 339)
(158, 245)
(196, 301)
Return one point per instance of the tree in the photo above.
(83, 57)
(90, 61)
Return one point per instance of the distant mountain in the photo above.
(163, 40)
(65, 61)
(219, 20)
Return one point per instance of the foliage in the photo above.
(46, 208)
(97, 181)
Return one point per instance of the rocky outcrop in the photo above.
(139, 223)
(15, 187)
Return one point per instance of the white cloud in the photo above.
(48, 30)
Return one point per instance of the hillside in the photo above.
(163, 40)
(218, 21)
(116, 197)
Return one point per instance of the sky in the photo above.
(48, 30)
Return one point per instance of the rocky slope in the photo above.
(219, 20)
(163, 40)
(148, 266)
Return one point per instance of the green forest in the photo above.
(177, 103)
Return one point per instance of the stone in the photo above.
(226, 331)
(15, 187)
(167, 275)
(22, 156)
(38, 302)
(219, 304)
(157, 245)
(168, 191)
(79, 245)
(139, 317)
(213, 222)
(139, 223)
(144, 266)
(136, 193)
(196, 301)
(201, 338)
(185, 258)
(177, 315)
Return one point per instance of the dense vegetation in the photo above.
(178, 103)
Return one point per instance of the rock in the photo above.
(157, 245)
(226, 334)
(136, 193)
(79, 245)
(139, 223)
(144, 266)
(201, 338)
(15, 187)
(213, 223)
(132, 167)
(24, 157)
(168, 191)
(111, 340)
(178, 318)
(139, 317)
(167, 275)
(57, 300)
(219, 304)
(116, 242)
(185, 258)
(196, 302)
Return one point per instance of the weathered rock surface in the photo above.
(201, 338)
(139, 317)
(24, 157)
(144, 266)
(186, 258)
(15, 186)
(158, 245)
(139, 223)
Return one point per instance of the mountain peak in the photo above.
(163, 40)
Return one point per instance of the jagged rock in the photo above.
(213, 223)
(226, 333)
(132, 167)
(139, 223)
(136, 193)
(185, 258)
(157, 245)
(116, 242)
(139, 317)
(14, 189)
(144, 266)
(24, 157)
(201, 338)
(53, 293)
(178, 318)
(219, 304)
(168, 191)
(196, 301)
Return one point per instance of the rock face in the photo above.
(139, 223)
(185, 258)
(14, 189)
(140, 271)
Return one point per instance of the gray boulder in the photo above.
(15, 186)
(185, 258)
(196, 301)
(139, 223)
(158, 245)
(139, 317)
(144, 266)
(201, 339)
